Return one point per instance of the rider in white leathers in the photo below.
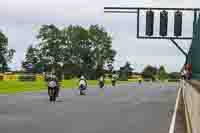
(82, 84)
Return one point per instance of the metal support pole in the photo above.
(188, 59)
(149, 8)
(138, 22)
(120, 11)
(195, 16)
(176, 44)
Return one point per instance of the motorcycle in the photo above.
(140, 81)
(52, 94)
(113, 82)
(52, 91)
(82, 89)
(101, 84)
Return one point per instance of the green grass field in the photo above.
(7, 87)
(12, 87)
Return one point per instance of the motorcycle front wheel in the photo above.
(82, 92)
(113, 83)
(52, 95)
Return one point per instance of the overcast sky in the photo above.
(21, 19)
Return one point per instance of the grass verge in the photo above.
(12, 87)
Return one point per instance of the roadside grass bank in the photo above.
(13, 87)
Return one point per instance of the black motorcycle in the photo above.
(113, 83)
(82, 90)
(101, 84)
(52, 91)
(140, 81)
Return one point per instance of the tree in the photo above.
(31, 63)
(102, 52)
(101, 46)
(175, 75)
(6, 54)
(162, 74)
(50, 45)
(126, 71)
(149, 72)
(71, 70)
(89, 49)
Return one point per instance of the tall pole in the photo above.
(138, 22)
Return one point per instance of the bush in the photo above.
(175, 75)
(67, 76)
(173, 80)
(27, 77)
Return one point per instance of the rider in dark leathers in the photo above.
(114, 78)
(101, 82)
(53, 84)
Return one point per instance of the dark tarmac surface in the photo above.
(128, 108)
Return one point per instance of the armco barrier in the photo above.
(10, 77)
(191, 98)
(13, 77)
(1, 77)
(39, 77)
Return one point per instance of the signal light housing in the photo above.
(178, 23)
(163, 23)
(149, 23)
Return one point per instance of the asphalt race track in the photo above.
(131, 108)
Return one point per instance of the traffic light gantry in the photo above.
(163, 27)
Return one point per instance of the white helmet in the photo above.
(82, 77)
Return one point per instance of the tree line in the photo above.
(73, 51)
(154, 73)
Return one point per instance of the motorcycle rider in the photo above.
(53, 84)
(82, 84)
(114, 78)
(101, 81)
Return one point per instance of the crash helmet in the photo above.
(82, 77)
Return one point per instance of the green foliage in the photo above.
(6, 54)
(162, 74)
(76, 50)
(175, 75)
(31, 58)
(149, 72)
(125, 72)
(173, 80)
(123, 75)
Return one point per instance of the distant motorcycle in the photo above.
(113, 83)
(139, 81)
(101, 84)
(82, 89)
(52, 91)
